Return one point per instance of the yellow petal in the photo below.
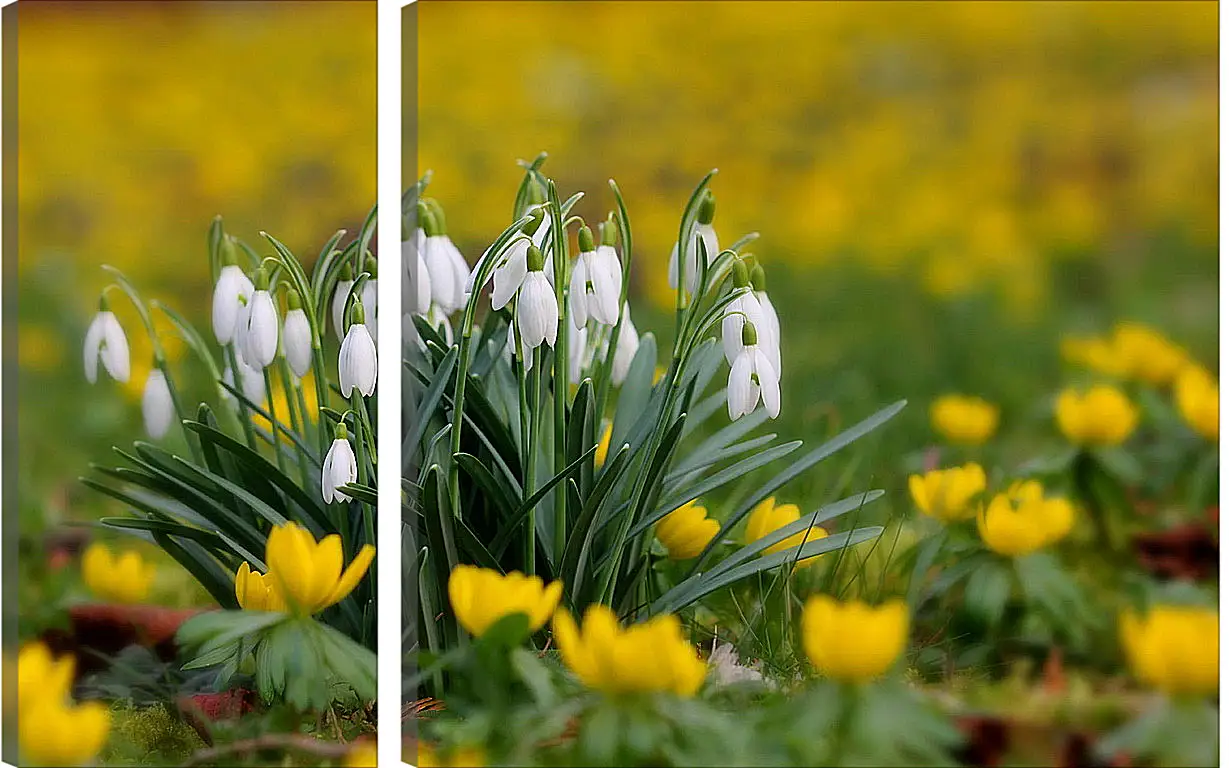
(352, 576)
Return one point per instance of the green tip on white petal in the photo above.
(608, 230)
(741, 277)
(370, 266)
(532, 225)
(357, 316)
(103, 304)
(260, 280)
(535, 194)
(437, 212)
(339, 432)
(228, 251)
(347, 271)
(585, 240)
(427, 220)
(708, 207)
(750, 337)
(758, 279)
(534, 258)
(293, 300)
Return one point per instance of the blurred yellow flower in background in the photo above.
(853, 641)
(686, 531)
(768, 516)
(56, 732)
(1021, 520)
(947, 494)
(480, 597)
(1102, 415)
(307, 574)
(1198, 396)
(458, 757)
(649, 656)
(1146, 354)
(362, 754)
(603, 446)
(41, 675)
(1174, 648)
(123, 579)
(963, 419)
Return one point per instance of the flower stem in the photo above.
(289, 390)
(245, 418)
(361, 425)
(273, 431)
(531, 461)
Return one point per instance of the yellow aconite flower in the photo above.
(853, 641)
(255, 591)
(40, 675)
(966, 420)
(307, 574)
(947, 494)
(1093, 353)
(1174, 648)
(1146, 355)
(1022, 520)
(768, 516)
(55, 732)
(281, 406)
(123, 579)
(1198, 396)
(460, 757)
(1101, 416)
(686, 531)
(652, 656)
(603, 446)
(480, 597)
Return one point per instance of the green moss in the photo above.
(149, 736)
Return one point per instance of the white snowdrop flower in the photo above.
(626, 348)
(340, 293)
(251, 383)
(340, 467)
(510, 266)
(691, 257)
(743, 309)
(772, 324)
(416, 282)
(537, 313)
(230, 295)
(751, 378)
(296, 336)
(445, 265)
(258, 333)
(595, 285)
(156, 405)
(105, 341)
(356, 363)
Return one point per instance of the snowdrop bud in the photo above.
(340, 467)
(105, 340)
(340, 294)
(626, 347)
(531, 227)
(156, 405)
(258, 336)
(757, 278)
(534, 261)
(741, 278)
(356, 363)
(296, 336)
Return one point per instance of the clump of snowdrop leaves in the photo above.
(270, 441)
(546, 422)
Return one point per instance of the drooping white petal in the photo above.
(417, 291)
(510, 347)
(93, 345)
(773, 325)
(156, 405)
(604, 305)
(258, 342)
(537, 314)
(297, 342)
(340, 467)
(769, 385)
(340, 294)
(230, 294)
(105, 341)
(625, 349)
(447, 285)
(510, 273)
(741, 392)
(251, 383)
(578, 352)
(460, 269)
(578, 297)
(356, 363)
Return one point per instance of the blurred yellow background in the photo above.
(138, 123)
(977, 144)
